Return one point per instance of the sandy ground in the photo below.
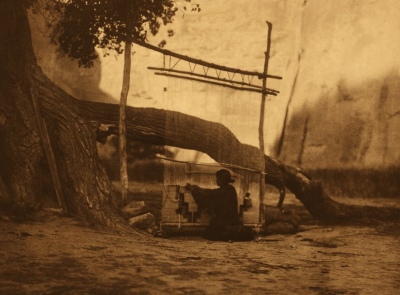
(60, 256)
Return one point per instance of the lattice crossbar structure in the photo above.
(180, 66)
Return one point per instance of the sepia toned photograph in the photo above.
(199, 147)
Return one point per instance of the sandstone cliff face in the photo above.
(82, 83)
(345, 105)
(339, 60)
(351, 126)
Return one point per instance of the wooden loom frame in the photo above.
(169, 71)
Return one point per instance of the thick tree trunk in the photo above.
(73, 126)
(163, 127)
(24, 170)
(21, 154)
(73, 134)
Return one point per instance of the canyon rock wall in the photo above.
(339, 98)
(345, 108)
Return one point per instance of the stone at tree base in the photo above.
(152, 229)
(273, 215)
(143, 221)
(134, 208)
(280, 227)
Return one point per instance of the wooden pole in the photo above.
(261, 124)
(48, 150)
(123, 154)
(272, 91)
(215, 83)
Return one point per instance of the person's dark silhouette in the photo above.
(223, 204)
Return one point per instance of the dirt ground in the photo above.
(61, 256)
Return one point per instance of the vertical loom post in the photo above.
(261, 124)
(126, 78)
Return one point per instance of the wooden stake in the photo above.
(261, 125)
(48, 150)
(123, 154)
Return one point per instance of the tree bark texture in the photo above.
(163, 127)
(73, 124)
(21, 154)
(24, 170)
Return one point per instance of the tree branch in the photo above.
(163, 127)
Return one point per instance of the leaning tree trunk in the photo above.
(24, 170)
(163, 127)
(73, 127)
(324, 208)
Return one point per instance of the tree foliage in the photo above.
(82, 25)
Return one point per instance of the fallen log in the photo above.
(163, 127)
